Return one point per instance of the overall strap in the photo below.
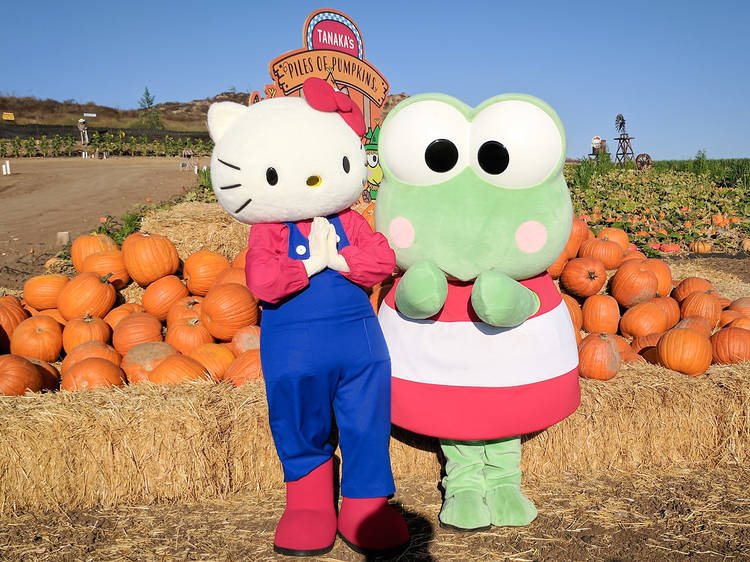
(299, 249)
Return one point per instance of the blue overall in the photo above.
(323, 353)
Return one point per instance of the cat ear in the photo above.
(221, 115)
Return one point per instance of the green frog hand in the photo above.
(422, 291)
(501, 301)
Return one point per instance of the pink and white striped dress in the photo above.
(455, 377)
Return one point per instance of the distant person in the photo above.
(83, 129)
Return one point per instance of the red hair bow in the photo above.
(321, 96)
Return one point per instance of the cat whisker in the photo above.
(245, 204)
(231, 186)
(228, 164)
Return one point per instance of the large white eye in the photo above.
(515, 144)
(425, 143)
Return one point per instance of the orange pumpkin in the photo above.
(245, 339)
(93, 348)
(160, 295)
(84, 246)
(184, 309)
(690, 285)
(86, 293)
(230, 275)
(214, 357)
(743, 323)
(184, 336)
(633, 255)
(138, 327)
(556, 268)
(633, 283)
(643, 319)
(728, 316)
(608, 252)
(583, 277)
(598, 357)
(702, 303)
(176, 369)
(663, 275)
(601, 314)
(670, 308)
(731, 345)
(685, 351)
(227, 308)
(239, 260)
(244, 368)
(579, 232)
(741, 305)
(114, 316)
(725, 302)
(697, 323)
(18, 375)
(41, 291)
(369, 214)
(143, 358)
(629, 356)
(616, 235)
(200, 270)
(39, 337)
(81, 330)
(574, 310)
(50, 375)
(622, 343)
(108, 262)
(52, 313)
(92, 373)
(11, 315)
(149, 257)
(642, 342)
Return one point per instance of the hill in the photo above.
(177, 116)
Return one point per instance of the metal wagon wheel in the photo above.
(643, 161)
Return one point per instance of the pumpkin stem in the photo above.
(592, 274)
(105, 278)
(87, 317)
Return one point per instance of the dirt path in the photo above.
(696, 514)
(45, 196)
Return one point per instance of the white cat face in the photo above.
(281, 160)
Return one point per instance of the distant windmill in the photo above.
(624, 151)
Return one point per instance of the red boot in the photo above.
(371, 526)
(308, 525)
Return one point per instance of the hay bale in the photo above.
(190, 442)
(194, 226)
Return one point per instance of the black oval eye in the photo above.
(493, 157)
(441, 155)
(346, 164)
(271, 176)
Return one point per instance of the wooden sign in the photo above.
(8, 116)
(334, 51)
(596, 142)
(89, 114)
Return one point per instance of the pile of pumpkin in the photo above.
(638, 313)
(200, 326)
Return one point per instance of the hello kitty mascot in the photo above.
(292, 167)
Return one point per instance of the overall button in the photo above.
(300, 250)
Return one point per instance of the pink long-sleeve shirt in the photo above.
(272, 275)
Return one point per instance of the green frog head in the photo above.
(474, 189)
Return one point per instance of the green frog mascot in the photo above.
(475, 205)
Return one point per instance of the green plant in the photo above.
(16, 147)
(29, 146)
(150, 118)
(132, 146)
(5, 147)
(44, 145)
(57, 143)
(69, 141)
(700, 163)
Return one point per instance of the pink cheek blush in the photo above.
(401, 232)
(531, 237)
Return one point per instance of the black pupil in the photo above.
(441, 155)
(346, 164)
(271, 176)
(493, 157)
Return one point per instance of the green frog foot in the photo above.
(465, 511)
(508, 507)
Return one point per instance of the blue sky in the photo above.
(678, 71)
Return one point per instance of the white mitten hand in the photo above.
(335, 260)
(317, 242)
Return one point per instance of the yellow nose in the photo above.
(314, 181)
